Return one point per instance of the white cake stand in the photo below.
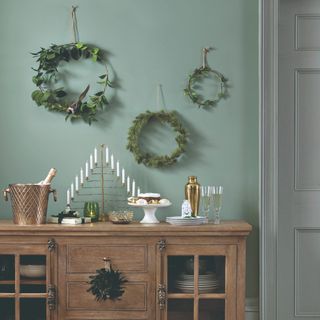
(149, 211)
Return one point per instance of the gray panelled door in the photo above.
(299, 160)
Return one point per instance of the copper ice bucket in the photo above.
(29, 202)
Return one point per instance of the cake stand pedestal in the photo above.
(149, 215)
(150, 211)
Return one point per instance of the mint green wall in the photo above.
(150, 42)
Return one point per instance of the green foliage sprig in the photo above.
(146, 158)
(55, 99)
(107, 284)
(196, 77)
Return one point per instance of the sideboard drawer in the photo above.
(88, 258)
(80, 258)
(133, 299)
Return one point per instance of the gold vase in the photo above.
(192, 193)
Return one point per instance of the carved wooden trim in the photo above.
(162, 244)
(52, 297)
(162, 296)
(52, 244)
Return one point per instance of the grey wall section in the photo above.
(148, 42)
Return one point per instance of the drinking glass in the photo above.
(206, 199)
(217, 192)
(91, 210)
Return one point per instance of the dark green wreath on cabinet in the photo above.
(107, 283)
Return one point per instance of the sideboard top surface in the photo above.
(226, 228)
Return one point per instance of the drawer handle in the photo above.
(107, 263)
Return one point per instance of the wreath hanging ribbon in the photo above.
(56, 99)
(197, 76)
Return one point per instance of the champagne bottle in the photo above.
(51, 174)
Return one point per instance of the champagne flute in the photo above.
(206, 199)
(217, 192)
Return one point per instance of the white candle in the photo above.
(112, 162)
(123, 174)
(72, 190)
(128, 184)
(107, 155)
(77, 183)
(133, 188)
(81, 175)
(87, 170)
(118, 169)
(95, 155)
(138, 191)
(68, 196)
(91, 162)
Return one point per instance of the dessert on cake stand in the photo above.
(150, 202)
(150, 211)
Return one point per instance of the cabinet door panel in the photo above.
(201, 281)
(26, 271)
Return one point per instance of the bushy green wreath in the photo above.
(146, 158)
(56, 99)
(197, 76)
(107, 284)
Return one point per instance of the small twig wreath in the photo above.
(48, 74)
(146, 158)
(107, 283)
(197, 76)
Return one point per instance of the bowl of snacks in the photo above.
(121, 217)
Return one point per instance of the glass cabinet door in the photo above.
(24, 281)
(200, 282)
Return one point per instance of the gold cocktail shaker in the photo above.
(192, 193)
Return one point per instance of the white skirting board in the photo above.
(252, 309)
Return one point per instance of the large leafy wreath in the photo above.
(56, 99)
(146, 158)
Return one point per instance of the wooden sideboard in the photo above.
(173, 272)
